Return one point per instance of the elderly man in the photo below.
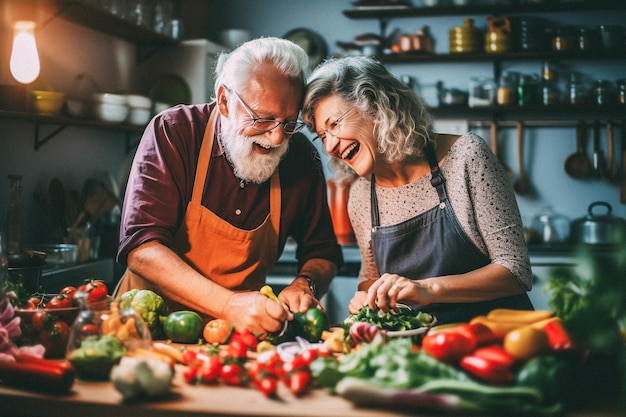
(216, 189)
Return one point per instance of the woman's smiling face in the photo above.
(354, 143)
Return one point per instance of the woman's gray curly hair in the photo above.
(232, 69)
(402, 124)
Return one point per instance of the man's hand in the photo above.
(298, 297)
(256, 312)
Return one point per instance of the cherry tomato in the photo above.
(96, 290)
(40, 320)
(33, 303)
(55, 339)
(237, 349)
(247, 338)
(59, 301)
(299, 382)
(217, 331)
(69, 292)
(267, 385)
(209, 371)
(232, 374)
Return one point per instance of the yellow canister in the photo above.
(466, 38)
(498, 36)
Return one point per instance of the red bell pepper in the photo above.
(558, 336)
(491, 364)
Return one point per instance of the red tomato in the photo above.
(237, 349)
(33, 303)
(232, 374)
(299, 382)
(210, 370)
(69, 292)
(59, 301)
(267, 385)
(447, 345)
(55, 339)
(247, 338)
(40, 320)
(96, 290)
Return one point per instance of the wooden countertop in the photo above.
(91, 399)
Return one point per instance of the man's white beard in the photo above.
(247, 164)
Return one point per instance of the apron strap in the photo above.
(436, 180)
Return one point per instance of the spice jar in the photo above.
(550, 93)
(603, 92)
(562, 40)
(577, 89)
(527, 91)
(507, 85)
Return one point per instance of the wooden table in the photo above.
(90, 399)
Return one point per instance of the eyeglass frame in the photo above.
(337, 127)
(299, 124)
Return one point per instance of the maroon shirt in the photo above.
(161, 183)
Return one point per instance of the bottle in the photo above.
(13, 225)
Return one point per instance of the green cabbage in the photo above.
(149, 305)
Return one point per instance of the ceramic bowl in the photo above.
(138, 116)
(110, 98)
(113, 113)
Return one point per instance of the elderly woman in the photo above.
(434, 215)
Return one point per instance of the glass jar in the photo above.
(527, 91)
(577, 90)
(550, 93)
(587, 40)
(482, 92)
(506, 93)
(101, 335)
(563, 40)
(550, 71)
(603, 92)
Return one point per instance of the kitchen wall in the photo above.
(546, 148)
(77, 153)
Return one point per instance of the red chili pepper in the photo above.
(558, 337)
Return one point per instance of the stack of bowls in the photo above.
(109, 107)
(140, 109)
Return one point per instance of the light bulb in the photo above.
(24, 62)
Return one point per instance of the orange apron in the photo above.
(231, 257)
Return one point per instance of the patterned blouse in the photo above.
(482, 198)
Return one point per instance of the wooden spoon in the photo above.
(494, 148)
(611, 171)
(578, 165)
(520, 186)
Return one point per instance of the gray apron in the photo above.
(434, 244)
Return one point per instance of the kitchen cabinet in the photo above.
(509, 112)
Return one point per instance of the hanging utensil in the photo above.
(578, 165)
(611, 171)
(520, 186)
(495, 150)
(597, 152)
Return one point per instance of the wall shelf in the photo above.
(59, 123)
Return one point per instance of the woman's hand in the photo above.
(253, 311)
(358, 301)
(387, 290)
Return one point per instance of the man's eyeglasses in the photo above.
(265, 125)
(335, 126)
